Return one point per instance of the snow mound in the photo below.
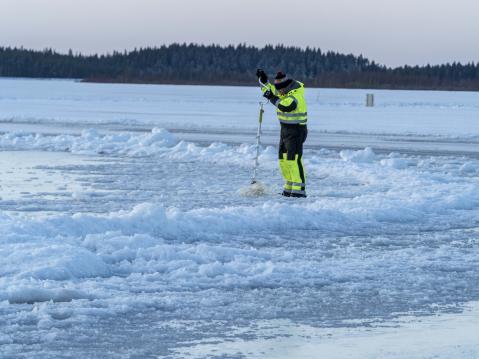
(362, 156)
(345, 216)
(59, 262)
(91, 142)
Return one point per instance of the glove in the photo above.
(271, 97)
(268, 94)
(262, 76)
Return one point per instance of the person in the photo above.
(287, 95)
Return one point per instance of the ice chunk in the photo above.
(397, 163)
(469, 168)
(34, 294)
(367, 155)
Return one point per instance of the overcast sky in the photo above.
(391, 32)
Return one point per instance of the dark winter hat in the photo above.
(280, 76)
(281, 80)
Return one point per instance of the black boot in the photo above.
(286, 194)
(298, 195)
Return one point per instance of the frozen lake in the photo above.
(123, 233)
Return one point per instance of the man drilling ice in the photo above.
(287, 95)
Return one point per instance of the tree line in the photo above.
(234, 65)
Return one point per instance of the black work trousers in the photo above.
(291, 158)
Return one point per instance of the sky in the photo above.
(391, 32)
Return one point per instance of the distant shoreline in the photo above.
(254, 84)
(213, 65)
(251, 84)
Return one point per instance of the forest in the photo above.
(234, 65)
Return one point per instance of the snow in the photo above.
(124, 231)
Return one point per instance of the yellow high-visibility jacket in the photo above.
(292, 105)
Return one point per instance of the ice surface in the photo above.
(135, 241)
(441, 337)
(198, 107)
